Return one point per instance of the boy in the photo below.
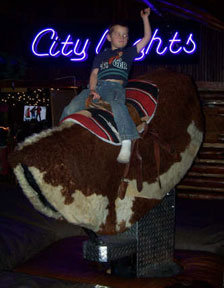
(108, 78)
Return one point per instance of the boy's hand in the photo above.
(95, 95)
(145, 13)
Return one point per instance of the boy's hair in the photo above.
(111, 27)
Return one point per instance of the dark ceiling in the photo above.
(208, 12)
(205, 11)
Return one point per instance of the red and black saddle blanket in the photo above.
(142, 95)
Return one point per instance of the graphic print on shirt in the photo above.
(115, 61)
(115, 64)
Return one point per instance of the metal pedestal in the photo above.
(150, 241)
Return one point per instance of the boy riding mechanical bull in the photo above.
(71, 171)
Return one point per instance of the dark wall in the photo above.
(210, 65)
(20, 21)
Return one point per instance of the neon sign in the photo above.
(77, 50)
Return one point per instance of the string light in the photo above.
(33, 97)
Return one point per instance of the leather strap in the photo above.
(157, 159)
(158, 144)
(139, 165)
(124, 181)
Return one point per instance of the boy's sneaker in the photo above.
(125, 152)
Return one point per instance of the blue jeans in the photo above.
(114, 94)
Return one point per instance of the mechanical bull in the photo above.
(69, 173)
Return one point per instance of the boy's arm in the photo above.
(147, 30)
(93, 82)
(93, 79)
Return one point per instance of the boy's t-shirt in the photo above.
(115, 64)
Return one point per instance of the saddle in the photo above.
(141, 100)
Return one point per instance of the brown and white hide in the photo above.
(76, 174)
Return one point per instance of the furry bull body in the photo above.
(77, 174)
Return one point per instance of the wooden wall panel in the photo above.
(205, 179)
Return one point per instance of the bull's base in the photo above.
(126, 267)
(150, 242)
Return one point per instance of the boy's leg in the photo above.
(125, 125)
(125, 152)
(76, 104)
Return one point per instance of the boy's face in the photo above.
(119, 37)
